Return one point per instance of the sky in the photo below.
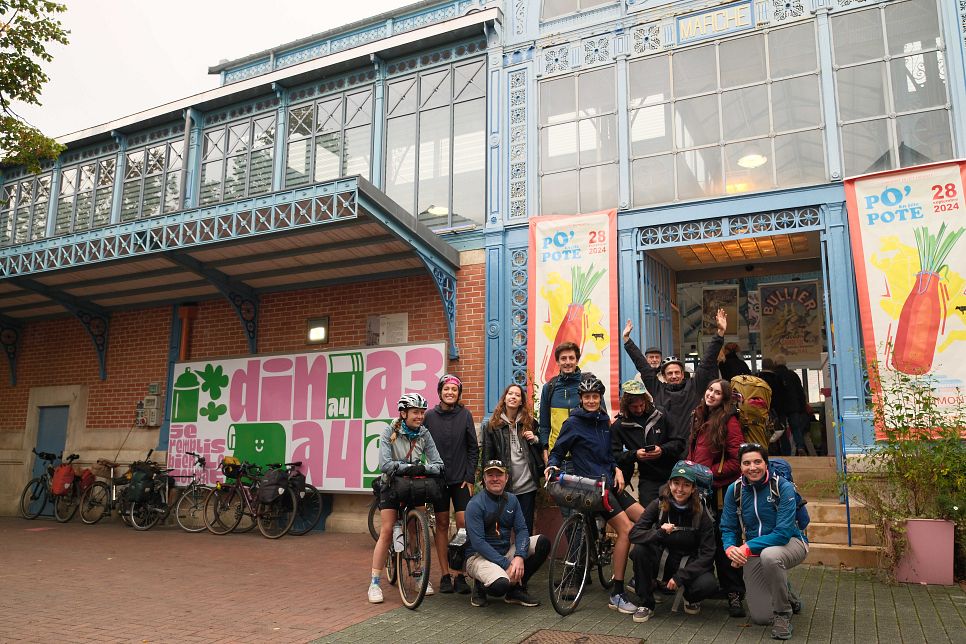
(126, 56)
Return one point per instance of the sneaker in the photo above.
(375, 594)
(622, 604)
(518, 595)
(692, 609)
(796, 605)
(735, 609)
(429, 589)
(631, 585)
(479, 595)
(642, 614)
(461, 586)
(781, 628)
(445, 585)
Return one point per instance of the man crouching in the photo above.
(491, 558)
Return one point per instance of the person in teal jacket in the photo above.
(763, 540)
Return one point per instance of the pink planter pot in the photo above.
(929, 555)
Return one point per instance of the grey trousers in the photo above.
(766, 580)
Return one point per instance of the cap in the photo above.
(682, 470)
(653, 350)
(634, 387)
(494, 465)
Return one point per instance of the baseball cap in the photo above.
(494, 465)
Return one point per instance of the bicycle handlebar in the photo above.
(199, 459)
(47, 456)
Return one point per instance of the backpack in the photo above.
(63, 480)
(137, 490)
(272, 486)
(757, 423)
(778, 468)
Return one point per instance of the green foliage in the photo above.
(27, 28)
(919, 469)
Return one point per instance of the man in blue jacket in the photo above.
(760, 535)
(501, 567)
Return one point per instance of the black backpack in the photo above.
(139, 487)
(272, 486)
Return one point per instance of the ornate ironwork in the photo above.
(597, 50)
(556, 59)
(518, 144)
(646, 38)
(783, 10)
(519, 283)
(758, 224)
(446, 285)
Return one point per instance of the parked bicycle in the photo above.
(309, 508)
(148, 493)
(375, 521)
(410, 550)
(101, 499)
(230, 501)
(190, 509)
(39, 491)
(582, 541)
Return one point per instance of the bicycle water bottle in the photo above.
(397, 537)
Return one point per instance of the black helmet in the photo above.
(448, 378)
(590, 385)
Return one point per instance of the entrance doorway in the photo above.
(51, 437)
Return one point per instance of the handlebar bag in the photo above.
(63, 479)
(578, 492)
(414, 492)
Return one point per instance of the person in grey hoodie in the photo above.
(454, 432)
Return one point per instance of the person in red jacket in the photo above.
(715, 440)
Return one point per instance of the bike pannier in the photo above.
(85, 480)
(231, 467)
(272, 486)
(137, 490)
(578, 492)
(63, 479)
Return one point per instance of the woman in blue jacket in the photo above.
(763, 539)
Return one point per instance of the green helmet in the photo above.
(634, 387)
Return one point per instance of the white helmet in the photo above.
(412, 401)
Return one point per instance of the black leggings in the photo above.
(730, 579)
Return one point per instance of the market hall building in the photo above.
(372, 186)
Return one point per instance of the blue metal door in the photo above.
(51, 434)
(657, 296)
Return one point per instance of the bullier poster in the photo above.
(573, 295)
(906, 228)
(325, 409)
(791, 323)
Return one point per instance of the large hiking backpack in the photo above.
(754, 396)
(62, 480)
(272, 486)
(778, 468)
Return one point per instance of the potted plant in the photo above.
(912, 481)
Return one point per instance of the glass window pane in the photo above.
(469, 162)
(653, 180)
(912, 24)
(134, 166)
(238, 137)
(43, 190)
(434, 155)
(38, 226)
(792, 50)
(22, 227)
(86, 178)
(434, 89)
(357, 152)
(151, 205)
(264, 133)
(401, 161)
(68, 181)
(402, 97)
(649, 81)
(83, 212)
(300, 121)
(469, 81)
(598, 139)
(261, 172)
(924, 138)
(742, 61)
(214, 145)
(554, 8)
(748, 166)
(861, 91)
(598, 187)
(175, 155)
(210, 182)
(857, 36)
(329, 115)
(130, 200)
(918, 81)
(650, 129)
(6, 227)
(172, 191)
(696, 121)
(236, 178)
(297, 162)
(327, 157)
(867, 147)
(558, 100)
(699, 173)
(558, 193)
(596, 93)
(102, 208)
(694, 71)
(744, 112)
(558, 147)
(796, 103)
(800, 158)
(358, 108)
(155, 162)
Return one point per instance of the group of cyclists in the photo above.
(672, 426)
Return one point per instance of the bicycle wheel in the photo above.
(223, 510)
(190, 511)
(413, 562)
(65, 505)
(375, 519)
(605, 559)
(392, 572)
(144, 515)
(569, 561)
(95, 502)
(33, 499)
(309, 512)
(275, 519)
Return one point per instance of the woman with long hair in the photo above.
(510, 436)
(714, 442)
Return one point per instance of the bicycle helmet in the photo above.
(669, 361)
(449, 378)
(590, 385)
(412, 401)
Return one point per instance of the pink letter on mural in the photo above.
(344, 458)
(423, 381)
(276, 398)
(385, 386)
(309, 379)
(311, 451)
(243, 393)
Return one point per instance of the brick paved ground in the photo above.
(108, 583)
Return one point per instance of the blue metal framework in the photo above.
(683, 233)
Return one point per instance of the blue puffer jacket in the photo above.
(586, 436)
(767, 523)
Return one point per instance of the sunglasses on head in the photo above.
(752, 445)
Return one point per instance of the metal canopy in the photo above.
(327, 234)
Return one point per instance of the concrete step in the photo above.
(828, 510)
(830, 554)
(838, 533)
(815, 476)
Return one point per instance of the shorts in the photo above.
(459, 495)
(486, 572)
(619, 501)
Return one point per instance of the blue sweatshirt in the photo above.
(766, 523)
(494, 543)
(586, 436)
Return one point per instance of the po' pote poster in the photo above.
(907, 228)
(573, 295)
